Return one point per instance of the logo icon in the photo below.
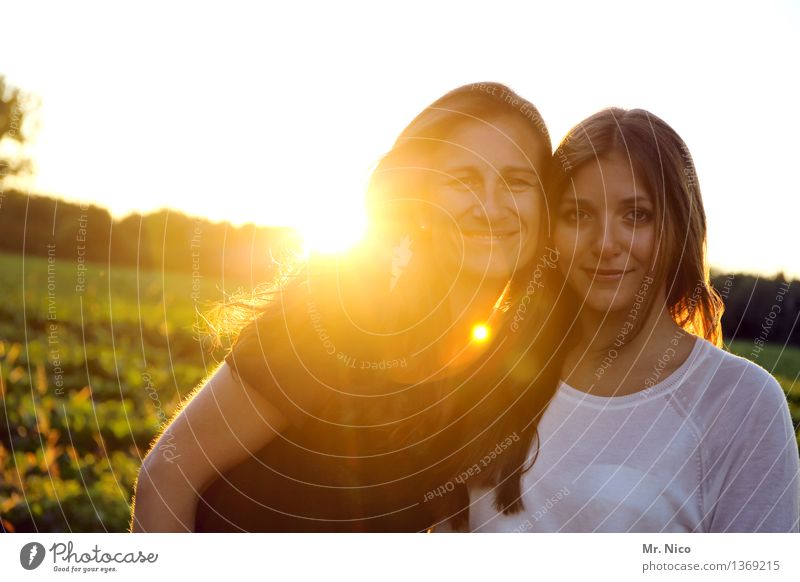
(31, 555)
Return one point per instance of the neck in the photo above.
(620, 330)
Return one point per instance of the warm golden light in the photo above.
(332, 233)
(480, 332)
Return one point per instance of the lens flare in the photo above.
(480, 332)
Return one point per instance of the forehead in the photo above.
(609, 178)
(500, 141)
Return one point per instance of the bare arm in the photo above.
(220, 426)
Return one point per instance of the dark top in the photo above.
(328, 472)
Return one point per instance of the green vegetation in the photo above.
(85, 393)
(781, 361)
(87, 378)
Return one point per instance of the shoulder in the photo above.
(740, 376)
(722, 391)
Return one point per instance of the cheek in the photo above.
(450, 205)
(568, 241)
(643, 246)
(443, 218)
(529, 210)
(565, 242)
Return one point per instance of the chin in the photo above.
(607, 303)
(494, 268)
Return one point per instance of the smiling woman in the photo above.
(486, 199)
(341, 403)
(654, 427)
(605, 211)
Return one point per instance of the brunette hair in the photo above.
(510, 387)
(661, 160)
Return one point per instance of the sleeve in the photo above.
(286, 363)
(755, 486)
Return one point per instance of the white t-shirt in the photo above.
(710, 448)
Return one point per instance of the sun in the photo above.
(332, 232)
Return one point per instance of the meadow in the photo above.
(93, 362)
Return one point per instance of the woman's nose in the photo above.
(492, 201)
(607, 240)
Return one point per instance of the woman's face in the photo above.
(605, 234)
(486, 198)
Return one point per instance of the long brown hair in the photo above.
(662, 161)
(501, 395)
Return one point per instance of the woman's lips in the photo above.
(606, 275)
(489, 235)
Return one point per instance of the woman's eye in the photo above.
(463, 183)
(520, 185)
(574, 215)
(638, 215)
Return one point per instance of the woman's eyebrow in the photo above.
(576, 201)
(635, 200)
(459, 170)
(503, 170)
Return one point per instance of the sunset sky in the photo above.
(275, 115)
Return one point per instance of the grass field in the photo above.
(93, 362)
(87, 377)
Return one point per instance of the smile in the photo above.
(487, 236)
(606, 275)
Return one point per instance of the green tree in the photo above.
(15, 108)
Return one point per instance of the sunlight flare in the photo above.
(480, 332)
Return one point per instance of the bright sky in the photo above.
(275, 114)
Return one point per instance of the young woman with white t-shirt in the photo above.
(654, 428)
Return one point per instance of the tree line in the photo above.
(756, 308)
(166, 239)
